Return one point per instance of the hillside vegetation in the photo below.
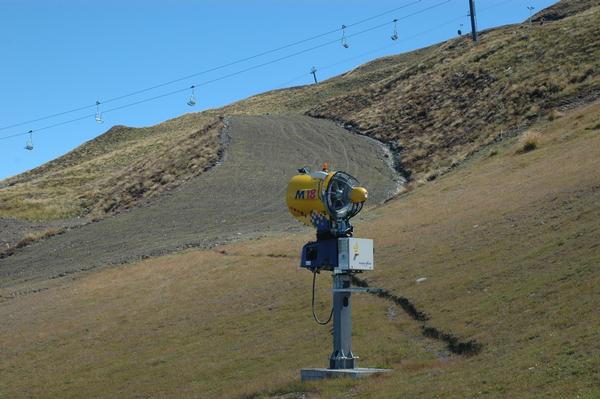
(508, 243)
(433, 107)
(441, 108)
(115, 170)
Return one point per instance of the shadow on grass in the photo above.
(454, 344)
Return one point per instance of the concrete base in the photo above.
(310, 374)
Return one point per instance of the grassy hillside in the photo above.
(432, 106)
(438, 110)
(114, 170)
(508, 243)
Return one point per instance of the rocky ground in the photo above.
(12, 231)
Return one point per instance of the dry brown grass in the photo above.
(199, 324)
(39, 235)
(432, 106)
(554, 114)
(145, 177)
(115, 171)
(529, 141)
(459, 96)
(509, 249)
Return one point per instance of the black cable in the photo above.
(238, 72)
(49, 127)
(402, 38)
(233, 73)
(296, 43)
(313, 303)
(329, 66)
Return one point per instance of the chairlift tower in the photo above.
(327, 200)
(473, 20)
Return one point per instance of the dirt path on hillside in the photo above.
(242, 196)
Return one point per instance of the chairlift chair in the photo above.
(98, 113)
(192, 101)
(29, 143)
(395, 34)
(344, 41)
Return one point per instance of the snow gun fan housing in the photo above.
(325, 200)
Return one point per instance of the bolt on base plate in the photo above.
(310, 374)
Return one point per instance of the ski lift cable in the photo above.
(235, 73)
(50, 126)
(293, 44)
(209, 81)
(228, 75)
(94, 114)
(213, 69)
(439, 26)
(287, 82)
(329, 66)
(173, 92)
(446, 23)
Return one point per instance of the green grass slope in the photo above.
(434, 107)
(507, 242)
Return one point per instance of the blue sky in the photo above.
(59, 55)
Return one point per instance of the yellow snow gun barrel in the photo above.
(325, 200)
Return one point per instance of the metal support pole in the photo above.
(473, 19)
(314, 73)
(342, 356)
